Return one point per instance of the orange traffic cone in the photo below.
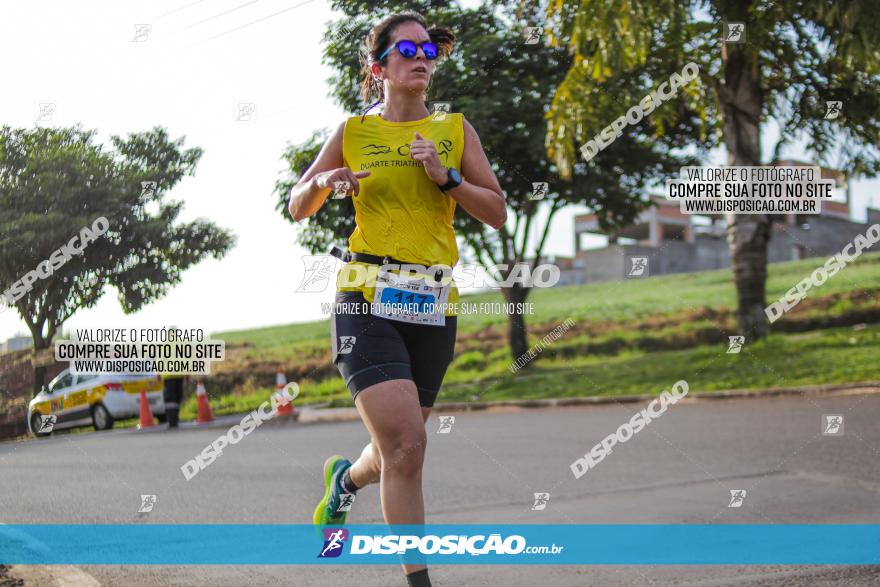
(285, 407)
(205, 414)
(147, 419)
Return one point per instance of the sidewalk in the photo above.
(310, 415)
(317, 415)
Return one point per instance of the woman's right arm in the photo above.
(312, 189)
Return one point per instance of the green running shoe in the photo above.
(327, 511)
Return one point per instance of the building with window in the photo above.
(15, 343)
(674, 242)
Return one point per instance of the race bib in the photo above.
(409, 299)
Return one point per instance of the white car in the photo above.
(92, 400)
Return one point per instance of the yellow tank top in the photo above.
(399, 211)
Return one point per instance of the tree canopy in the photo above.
(56, 181)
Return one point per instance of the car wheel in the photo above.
(101, 418)
(35, 425)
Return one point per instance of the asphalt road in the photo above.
(680, 469)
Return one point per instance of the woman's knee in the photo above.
(404, 453)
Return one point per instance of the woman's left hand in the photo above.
(424, 151)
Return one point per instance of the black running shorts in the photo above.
(368, 350)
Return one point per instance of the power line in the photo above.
(155, 18)
(258, 20)
(219, 15)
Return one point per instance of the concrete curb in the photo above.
(59, 575)
(308, 415)
(56, 575)
(692, 395)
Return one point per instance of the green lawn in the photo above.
(835, 355)
(826, 356)
(620, 300)
(612, 349)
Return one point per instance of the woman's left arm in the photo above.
(479, 192)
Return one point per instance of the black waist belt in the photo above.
(348, 256)
(365, 257)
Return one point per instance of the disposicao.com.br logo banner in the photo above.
(548, 544)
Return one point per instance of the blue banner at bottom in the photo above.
(542, 544)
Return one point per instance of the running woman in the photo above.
(406, 170)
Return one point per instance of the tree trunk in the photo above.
(516, 331)
(39, 378)
(741, 100)
(39, 372)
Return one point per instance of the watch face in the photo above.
(454, 175)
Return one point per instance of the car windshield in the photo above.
(63, 380)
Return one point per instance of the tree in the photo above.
(504, 87)
(797, 55)
(54, 182)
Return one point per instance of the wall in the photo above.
(16, 384)
(825, 237)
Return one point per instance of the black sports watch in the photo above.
(454, 179)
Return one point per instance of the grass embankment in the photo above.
(629, 337)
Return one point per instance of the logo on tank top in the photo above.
(444, 148)
(374, 149)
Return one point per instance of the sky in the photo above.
(187, 73)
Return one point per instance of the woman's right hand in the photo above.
(328, 179)
(310, 191)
